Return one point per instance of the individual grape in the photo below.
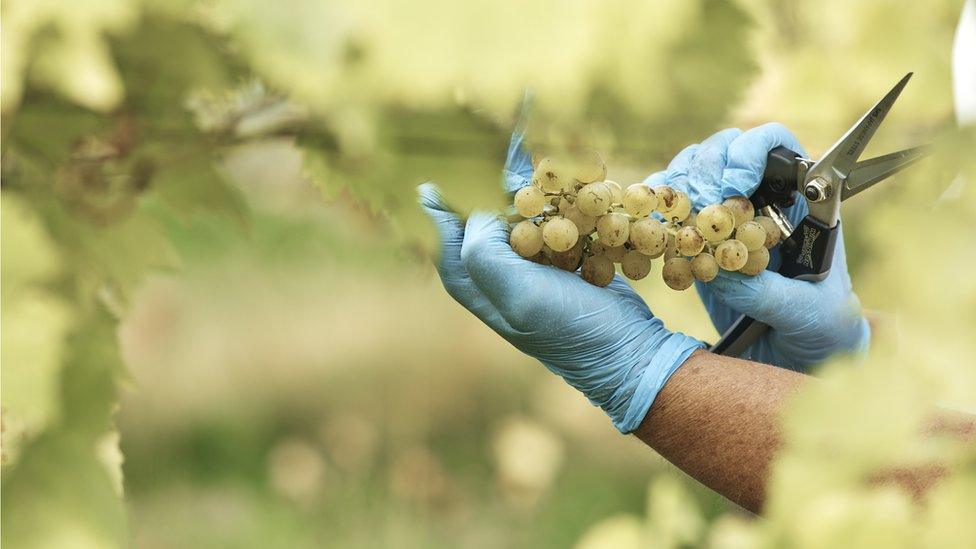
(704, 267)
(541, 258)
(594, 199)
(549, 176)
(585, 224)
(731, 255)
(568, 260)
(590, 167)
(635, 265)
(616, 191)
(616, 253)
(741, 209)
(639, 200)
(529, 201)
(716, 222)
(666, 198)
(596, 247)
(526, 239)
(677, 273)
(756, 263)
(773, 234)
(598, 270)
(681, 209)
(751, 234)
(613, 228)
(613, 253)
(690, 241)
(648, 237)
(560, 234)
(671, 248)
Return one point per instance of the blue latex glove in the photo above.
(605, 342)
(811, 320)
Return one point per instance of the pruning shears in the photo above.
(808, 248)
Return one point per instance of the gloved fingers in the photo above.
(656, 178)
(514, 283)
(622, 289)
(506, 279)
(706, 168)
(528, 295)
(453, 275)
(449, 225)
(746, 159)
(722, 315)
(790, 305)
(676, 175)
(768, 297)
(518, 163)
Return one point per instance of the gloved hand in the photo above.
(811, 320)
(605, 342)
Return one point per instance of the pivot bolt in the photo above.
(818, 189)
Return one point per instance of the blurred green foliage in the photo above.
(207, 213)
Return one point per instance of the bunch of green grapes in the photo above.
(574, 218)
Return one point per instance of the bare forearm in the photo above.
(717, 420)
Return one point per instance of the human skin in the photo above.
(717, 419)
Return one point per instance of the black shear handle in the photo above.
(806, 254)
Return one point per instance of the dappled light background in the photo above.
(221, 325)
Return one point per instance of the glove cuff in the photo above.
(673, 351)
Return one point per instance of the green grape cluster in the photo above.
(574, 218)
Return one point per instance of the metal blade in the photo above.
(868, 172)
(842, 157)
